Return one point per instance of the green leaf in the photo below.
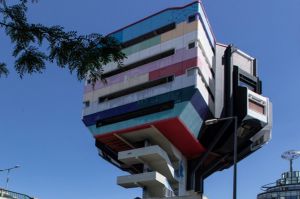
(84, 55)
(3, 70)
(30, 61)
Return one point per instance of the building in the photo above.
(6, 194)
(157, 117)
(287, 187)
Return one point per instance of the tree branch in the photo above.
(85, 54)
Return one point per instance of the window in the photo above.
(250, 83)
(192, 71)
(192, 18)
(212, 72)
(86, 104)
(140, 63)
(257, 107)
(137, 88)
(141, 112)
(192, 45)
(102, 99)
(149, 35)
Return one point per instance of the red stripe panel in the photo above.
(178, 134)
(174, 69)
(173, 129)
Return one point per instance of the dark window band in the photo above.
(145, 111)
(210, 93)
(248, 82)
(136, 88)
(212, 73)
(192, 45)
(139, 63)
(149, 35)
(192, 18)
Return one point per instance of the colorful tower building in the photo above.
(167, 116)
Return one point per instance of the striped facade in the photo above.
(168, 77)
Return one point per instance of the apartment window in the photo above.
(192, 45)
(257, 107)
(192, 71)
(102, 99)
(192, 18)
(140, 63)
(134, 114)
(149, 35)
(86, 104)
(137, 88)
(247, 82)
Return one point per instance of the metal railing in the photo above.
(12, 195)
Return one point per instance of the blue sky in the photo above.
(40, 126)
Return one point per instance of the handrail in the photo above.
(267, 186)
(275, 185)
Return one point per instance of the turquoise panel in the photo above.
(140, 120)
(157, 21)
(184, 110)
(142, 45)
(191, 119)
(180, 95)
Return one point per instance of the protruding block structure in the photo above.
(153, 156)
(150, 116)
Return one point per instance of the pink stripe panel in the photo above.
(175, 69)
(180, 55)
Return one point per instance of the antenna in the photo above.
(290, 156)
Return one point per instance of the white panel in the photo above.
(264, 135)
(93, 96)
(178, 83)
(206, 72)
(204, 44)
(219, 80)
(133, 57)
(177, 43)
(253, 114)
(205, 94)
(153, 180)
(154, 156)
(243, 61)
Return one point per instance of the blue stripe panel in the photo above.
(184, 110)
(177, 95)
(157, 21)
(198, 102)
(191, 113)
